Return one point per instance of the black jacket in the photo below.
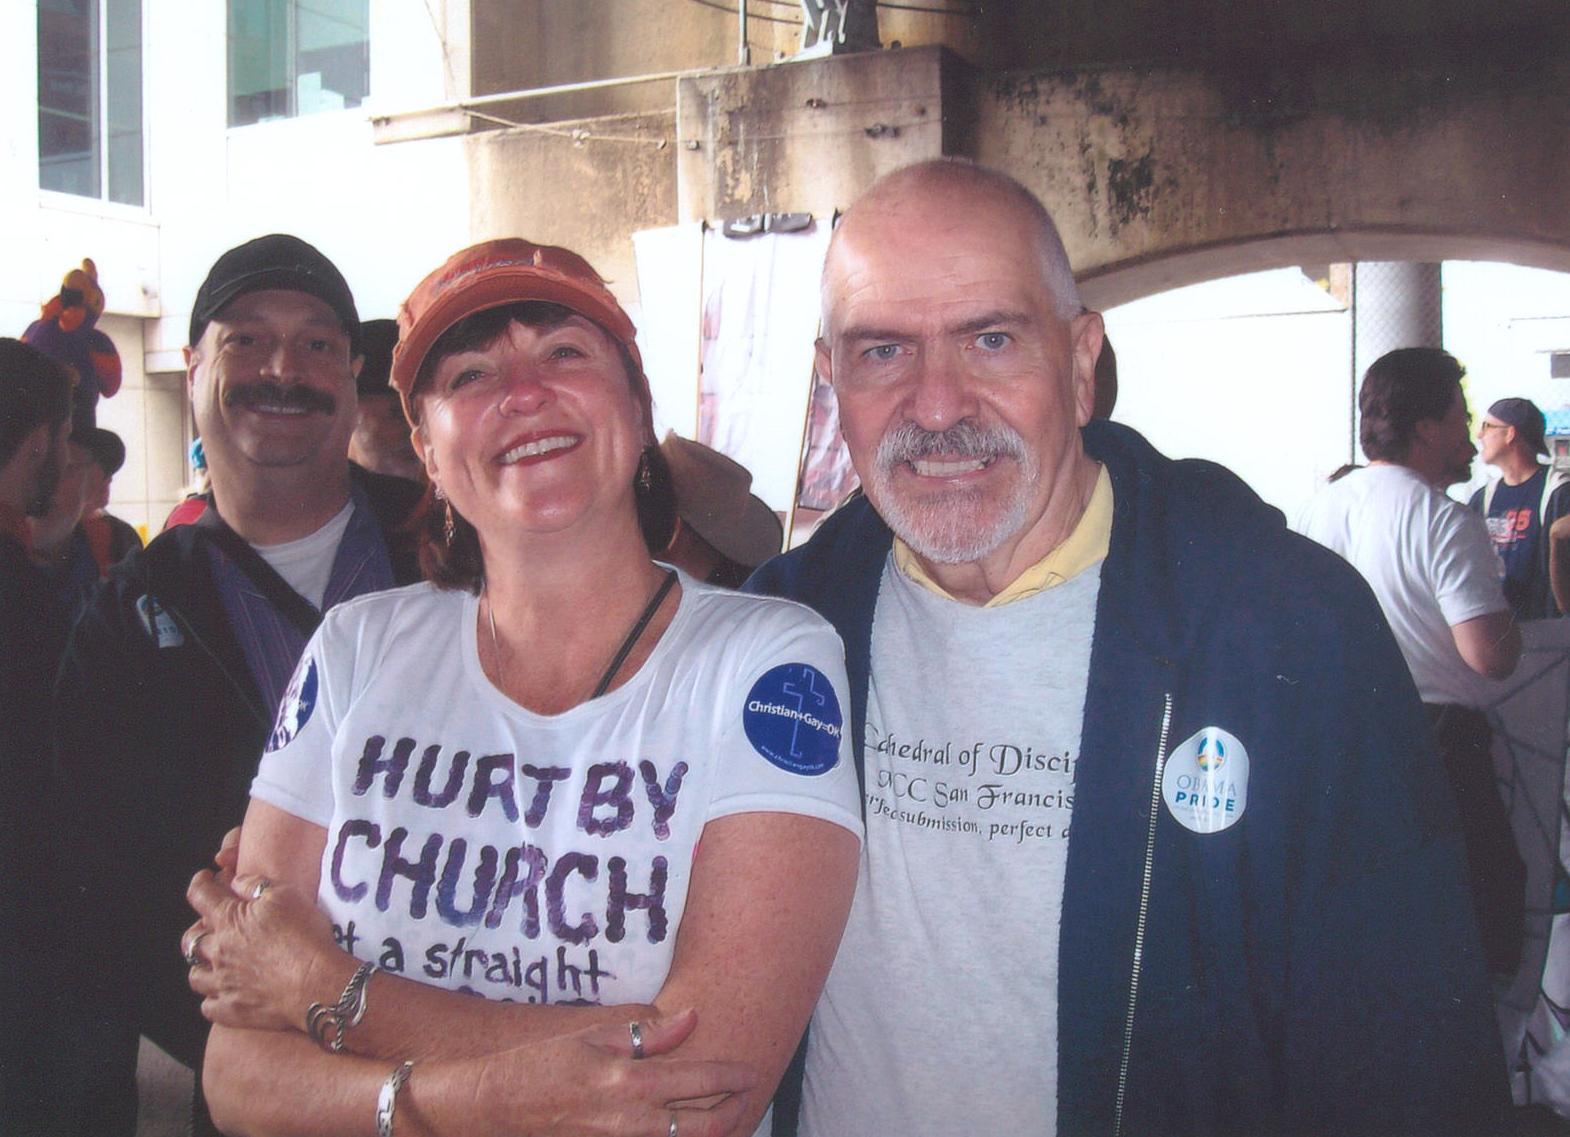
(158, 732)
(32, 636)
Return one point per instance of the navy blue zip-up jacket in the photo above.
(1313, 969)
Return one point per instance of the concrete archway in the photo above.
(1120, 283)
(1160, 179)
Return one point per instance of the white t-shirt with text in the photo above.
(940, 1012)
(475, 845)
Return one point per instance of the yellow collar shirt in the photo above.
(1086, 545)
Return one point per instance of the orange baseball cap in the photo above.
(494, 274)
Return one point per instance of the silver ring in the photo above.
(636, 1032)
(261, 886)
(671, 1132)
(191, 958)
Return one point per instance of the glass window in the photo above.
(123, 106)
(90, 98)
(294, 57)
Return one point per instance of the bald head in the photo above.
(964, 367)
(946, 194)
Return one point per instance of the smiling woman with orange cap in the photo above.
(608, 798)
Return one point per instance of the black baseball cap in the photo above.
(104, 445)
(1525, 417)
(377, 340)
(276, 261)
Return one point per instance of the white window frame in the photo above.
(101, 202)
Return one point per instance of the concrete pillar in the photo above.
(1394, 304)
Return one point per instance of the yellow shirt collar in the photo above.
(1087, 544)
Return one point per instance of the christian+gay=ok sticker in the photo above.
(792, 717)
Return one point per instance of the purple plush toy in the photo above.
(65, 333)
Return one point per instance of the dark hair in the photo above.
(481, 329)
(1401, 389)
(34, 390)
(1106, 391)
(459, 564)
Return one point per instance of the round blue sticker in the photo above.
(792, 718)
(298, 703)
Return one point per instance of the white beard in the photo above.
(960, 525)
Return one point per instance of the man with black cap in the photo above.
(110, 537)
(75, 542)
(172, 677)
(1522, 503)
(381, 441)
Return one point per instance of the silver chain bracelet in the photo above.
(328, 1025)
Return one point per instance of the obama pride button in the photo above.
(1205, 782)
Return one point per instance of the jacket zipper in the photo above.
(1144, 910)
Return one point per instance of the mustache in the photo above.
(967, 438)
(289, 396)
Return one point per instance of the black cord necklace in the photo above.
(633, 635)
(637, 632)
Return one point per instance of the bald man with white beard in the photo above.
(1155, 838)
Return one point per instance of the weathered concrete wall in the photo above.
(1164, 179)
(1252, 37)
(587, 194)
(1157, 178)
(535, 43)
(810, 136)
(800, 137)
(521, 44)
(524, 44)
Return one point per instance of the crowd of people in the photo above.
(428, 776)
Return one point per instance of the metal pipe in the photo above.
(743, 52)
(538, 92)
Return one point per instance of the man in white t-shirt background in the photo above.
(1156, 842)
(1431, 564)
